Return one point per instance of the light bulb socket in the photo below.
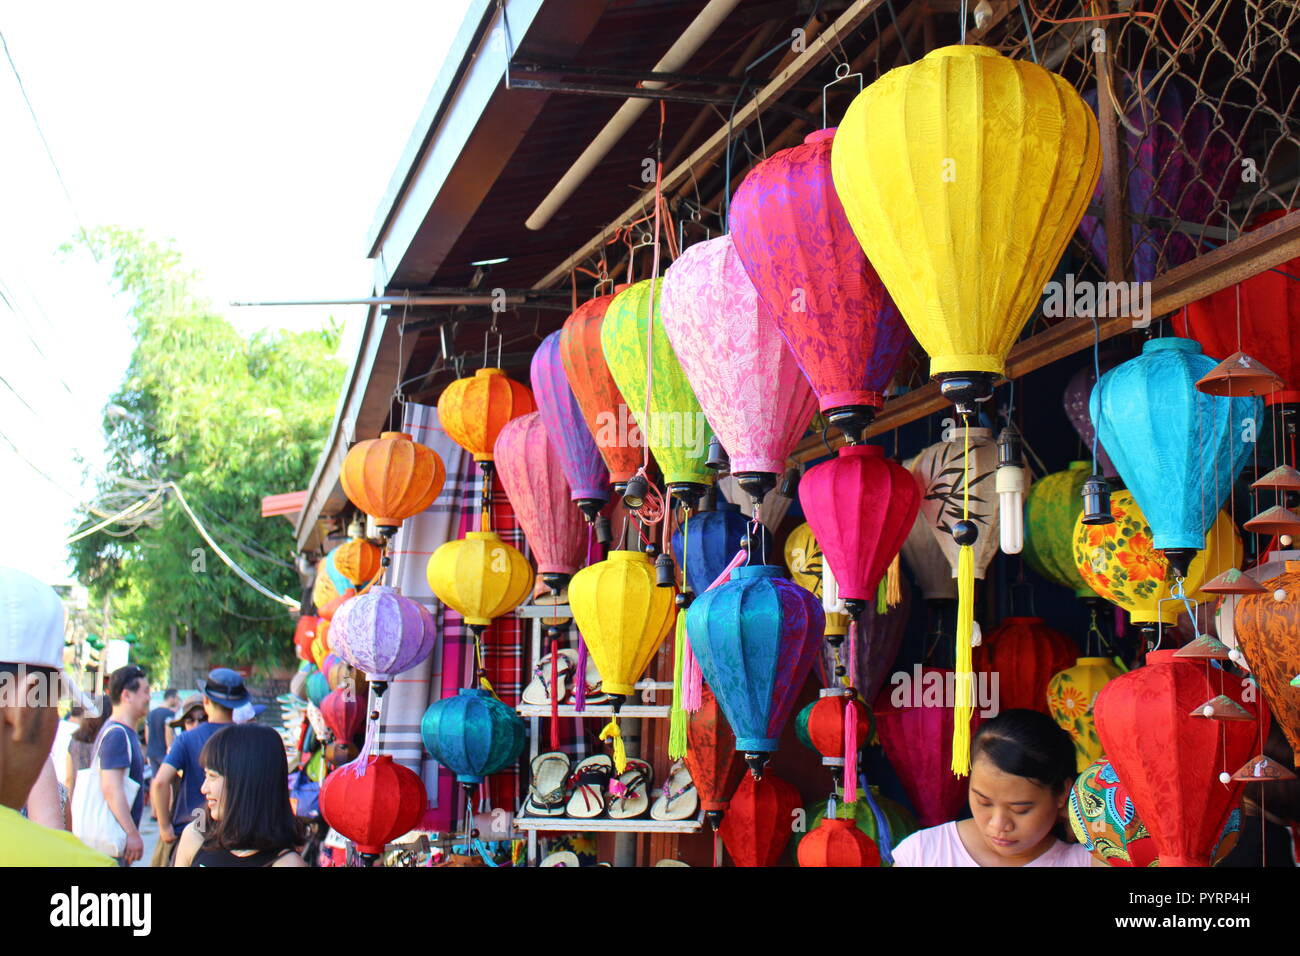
(755, 483)
(789, 484)
(756, 761)
(1096, 501)
(555, 580)
(590, 507)
(717, 458)
(665, 571)
(1180, 559)
(604, 534)
(1009, 448)
(635, 492)
(688, 493)
(966, 390)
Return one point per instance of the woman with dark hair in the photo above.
(1022, 766)
(81, 747)
(246, 786)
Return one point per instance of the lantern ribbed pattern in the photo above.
(826, 724)
(1268, 633)
(738, 365)
(357, 560)
(898, 823)
(1169, 760)
(1077, 393)
(344, 715)
(593, 386)
(755, 637)
(1052, 506)
(791, 233)
(383, 633)
(1071, 694)
(860, 506)
(392, 477)
(480, 576)
(938, 470)
(677, 431)
(585, 472)
(758, 823)
(835, 842)
(375, 807)
(880, 638)
(622, 616)
(532, 475)
(1025, 652)
(473, 410)
(1178, 449)
(473, 734)
(964, 176)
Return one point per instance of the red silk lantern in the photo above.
(711, 757)
(915, 721)
(326, 613)
(860, 506)
(1170, 761)
(344, 715)
(304, 632)
(1270, 320)
(1025, 653)
(760, 820)
(593, 386)
(835, 842)
(473, 410)
(391, 478)
(376, 805)
(826, 726)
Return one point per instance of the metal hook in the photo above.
(841, 74)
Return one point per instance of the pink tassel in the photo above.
(580, 689)
(358, 766)
(736, 562)
(850, 751)
(555, 693)
(692, 682)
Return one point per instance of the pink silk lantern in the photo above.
(796, 244)
(532, 475)
(737, 362)
(914, 719)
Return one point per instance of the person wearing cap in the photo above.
(31, 669)
(121, 754)
(223, 694)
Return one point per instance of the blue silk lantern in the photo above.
(756, 637)
(1178, 450)
(715, 537)
(318, 687)
(472, 734)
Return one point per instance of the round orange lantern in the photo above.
(836, 842)
(391, 478)
(358, 561)
(473, 410)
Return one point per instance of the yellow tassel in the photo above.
(894, 579)
(965, 628)
(611, 730)
(677, 734)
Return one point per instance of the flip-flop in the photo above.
(538, 691)
(561, 858)
(587, 786)
(634, 782)
(546, 792)
(678, 800)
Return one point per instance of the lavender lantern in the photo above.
(567, 429)
(382, 633)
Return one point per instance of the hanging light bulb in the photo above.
(1010, 485)
(635, 492)
(832, 603)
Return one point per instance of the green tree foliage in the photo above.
(228, 419)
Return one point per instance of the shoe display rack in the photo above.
(535, 713)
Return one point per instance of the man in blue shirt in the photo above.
(157, 728)
(122, 756)
(223, 693)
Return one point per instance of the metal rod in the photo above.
(640, 75)
(404, 300)
(623, 93)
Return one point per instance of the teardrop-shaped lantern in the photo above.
(593, 386)
(755, 637)
(391, 478)
(939, 470)
(677, 430)
(861, 506)
(1177, 449)
(473, 734)
(533, 477)
(373, 804)
(758, 823)
(711, 757)
(738, 365)
(1052, 507)
(1267, 628)
(566, 427)
(804, 561)
(1024, 653)
(790, 231)
(382, 633)
(964, 176)
(1071, 694)
(480, 576)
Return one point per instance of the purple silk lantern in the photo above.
(880, 637)
(748, 384)
(382, 633)
(1075, 400)
(792, 235)
(1181, 166)
(567, 429)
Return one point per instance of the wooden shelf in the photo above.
(606, 825)
(593, 710)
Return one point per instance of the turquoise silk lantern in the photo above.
(756, 637)
(472, 734)
(1178, 450)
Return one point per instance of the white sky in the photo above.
(258, 136)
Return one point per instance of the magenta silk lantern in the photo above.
(739, 366)
(796, 244)
(382, 633)
(567, 429)
(530, 472)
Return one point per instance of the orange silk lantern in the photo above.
(1267, 627)
(304, 632)
(358, 561)
(391, 478)
(473, 410)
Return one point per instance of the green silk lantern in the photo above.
(1051, 508)
(677, 430)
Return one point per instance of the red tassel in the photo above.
(555, 697)
(850, 751)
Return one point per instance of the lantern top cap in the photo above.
(627, 556)
(861, 451)
(1163, 656)
(1093, 661)
(1171, 343)
(1079, 466)
(401, 436)
(472, 692)
(756, 571)
(482, 536)
(486, 372)
(816, 136)
(959, 49)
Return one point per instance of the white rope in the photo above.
(113, 519)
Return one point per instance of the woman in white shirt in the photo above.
(1022, 767)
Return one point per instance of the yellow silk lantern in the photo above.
(803, 558)
(320, 645)
(1071, 694)
(964, 175)
(473, 410)
(480, 576)
(624, 619)
(323, 590)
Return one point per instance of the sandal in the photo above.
(546, 792)
(538, 692)
(678, 800)
(561, 858)
(587, 786)
(630, 791)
